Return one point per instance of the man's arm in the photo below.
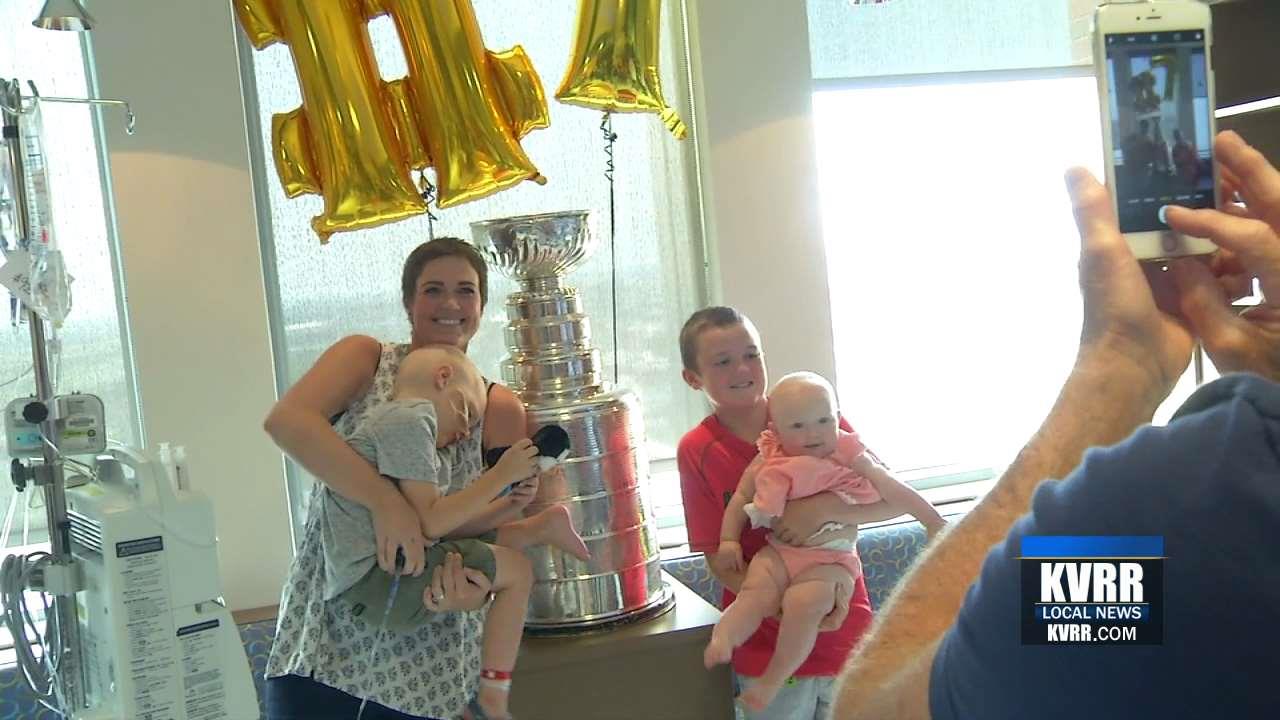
(904, 695)
(1096, 407)
(1131, 354)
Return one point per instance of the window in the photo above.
(951, 250)
(94, 354)
(952, 263)
(911, 37)
(351, 285)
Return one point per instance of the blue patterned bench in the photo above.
(886, 551)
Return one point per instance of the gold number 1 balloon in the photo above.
(342, 143)
(469, 105)
(615, 61)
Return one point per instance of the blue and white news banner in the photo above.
(1092, 590)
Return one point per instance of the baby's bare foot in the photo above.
(758, 695)
(493, 701)
(558, 532)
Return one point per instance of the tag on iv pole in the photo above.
(15, 275)
(40, 282)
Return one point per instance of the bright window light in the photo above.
(952, 259)
(951, 255)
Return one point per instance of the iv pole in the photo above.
(49, 475)
(61, 577)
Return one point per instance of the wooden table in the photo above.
(649, 670)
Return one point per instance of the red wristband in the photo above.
(488, 674)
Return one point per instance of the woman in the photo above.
(319, 664)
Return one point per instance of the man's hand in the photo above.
(1250, 240)
(1125, 333)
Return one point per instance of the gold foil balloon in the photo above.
(461, 109)
(342, 143)
(523, 102)
(615, 61)
(470, 106)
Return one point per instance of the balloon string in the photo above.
(428, 195)
(606, 129)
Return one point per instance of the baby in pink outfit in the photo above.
(802, 453)
(784, 477)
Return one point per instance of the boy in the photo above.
(723, 358)
(437, 397)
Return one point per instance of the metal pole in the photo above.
(1198, 357)
(64, 606)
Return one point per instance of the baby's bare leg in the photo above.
(552, 526)
(805, 602)
(504, 626)
(761, 592)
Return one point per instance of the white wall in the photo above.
(759, 172)
(193, 272)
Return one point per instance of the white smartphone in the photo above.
(1155, 85)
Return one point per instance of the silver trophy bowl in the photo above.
(532, 247)
(554, 368)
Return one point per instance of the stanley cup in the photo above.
(557, 372)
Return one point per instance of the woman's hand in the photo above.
(454, 587)
(396, 526)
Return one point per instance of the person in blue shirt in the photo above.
(948, 643)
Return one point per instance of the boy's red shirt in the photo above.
(711, 461)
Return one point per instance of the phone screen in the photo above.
(1160, 124)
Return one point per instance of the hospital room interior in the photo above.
(225, 223)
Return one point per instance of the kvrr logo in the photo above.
(1097, 582)
(1092, 589)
